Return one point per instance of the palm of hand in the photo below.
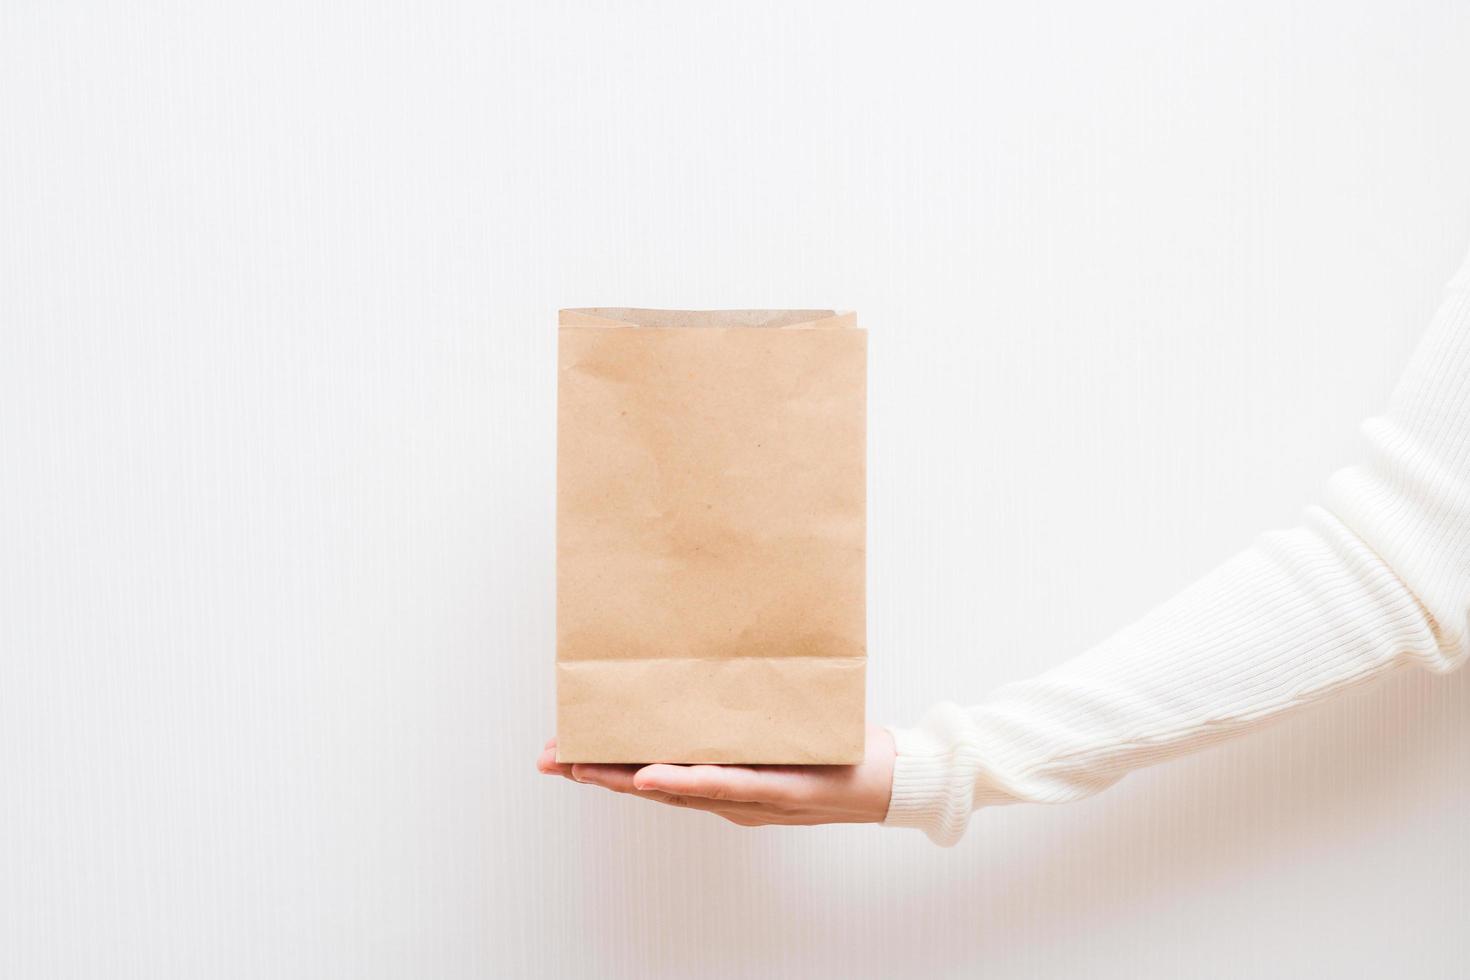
(753, 796)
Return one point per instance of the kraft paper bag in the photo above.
(710, 550)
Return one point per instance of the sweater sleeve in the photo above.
(1376, 577)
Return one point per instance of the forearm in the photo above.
(1378, 576)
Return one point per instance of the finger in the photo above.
(550, 743)
(616, 778)
(739, 784)
(546, 763)
(752, 818)
(721, 808)
(619, 779)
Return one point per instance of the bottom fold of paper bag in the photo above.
(790, 710)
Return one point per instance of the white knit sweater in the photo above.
(1377, 577)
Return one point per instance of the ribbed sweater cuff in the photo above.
(935, 784)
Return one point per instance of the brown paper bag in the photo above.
(710, 536)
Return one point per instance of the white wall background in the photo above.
(277, 294)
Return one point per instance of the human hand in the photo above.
(753, 796)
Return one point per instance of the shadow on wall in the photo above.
(705, 899)
(1358, 766)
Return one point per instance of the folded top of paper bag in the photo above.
(617, 316)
